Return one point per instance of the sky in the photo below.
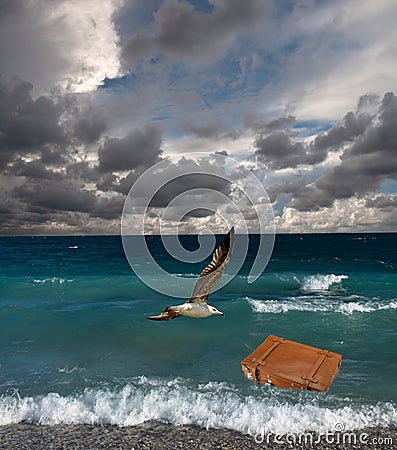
(302, 93)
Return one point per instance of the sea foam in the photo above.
(210, 405)
(53, 280)
(321, 282)
(357, 305)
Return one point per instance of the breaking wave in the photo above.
(210, 405)
(321, 282)
(357, 305)
(53, 280)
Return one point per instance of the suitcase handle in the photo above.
(265, 354)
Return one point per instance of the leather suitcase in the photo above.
(289, 364)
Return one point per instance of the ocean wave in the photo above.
(320, 305)
(321, 282)
(53, 280)
(210, 405)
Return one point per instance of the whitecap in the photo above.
(321, 282)
(361, 305)
(210, 405)
(53, 280)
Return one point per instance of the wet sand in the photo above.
(153, 435)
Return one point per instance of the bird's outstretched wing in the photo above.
(168, 314)
(211, 274)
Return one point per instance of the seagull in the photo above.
(197, 306)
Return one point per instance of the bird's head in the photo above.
(216, 311)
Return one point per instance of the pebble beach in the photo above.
(161, 436)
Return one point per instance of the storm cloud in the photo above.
(254, 122)
(27, 125)
(353, 125)
(43, 144)
(94, 93)
(181, 31)
(89, 126)
(278, 150)
(210, 130)
(57, 195)
(141, 147)
(365, 164)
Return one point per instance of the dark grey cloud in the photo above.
(108, 208)
(198, 213)
(293, 187)
(181, 31)
(108, 182)
(45, 167)
(28, 125)
(365, 164)
(210, 130)
(120, 184)
(8, 7)
(35, 220)
(59, 195)
(185, 183)
(278, 150)
(85, 172)
(49, 126)
(383, 201)
(33, 169)
(176, 178)
(39, 135)
(277, 146)
(353, 125)
(141, 147)
(82, 170)
(89, 126)
(366, 140)
(253, 121)
(309, 198)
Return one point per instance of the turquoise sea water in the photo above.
(76, 347)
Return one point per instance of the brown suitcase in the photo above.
(288, 364)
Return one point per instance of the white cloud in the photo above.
(344, 216)
(343, 49)
(69, 44)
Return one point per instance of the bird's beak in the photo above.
(220, 313)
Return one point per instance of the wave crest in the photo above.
(210, 405)
(319, 305)
(53, 280)
(321, 282)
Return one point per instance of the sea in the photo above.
(76, 346)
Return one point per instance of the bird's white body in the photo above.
(196, 310)
(197, 306)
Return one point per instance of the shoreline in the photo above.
(157, 435)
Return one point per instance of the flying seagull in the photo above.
(197, 306)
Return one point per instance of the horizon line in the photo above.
(196, 234)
